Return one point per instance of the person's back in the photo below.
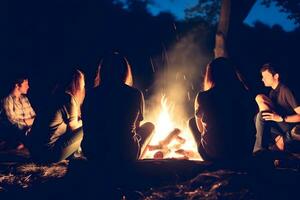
(229, 129)
(110, 114)
(224, 112)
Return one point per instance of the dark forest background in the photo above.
(45, 39)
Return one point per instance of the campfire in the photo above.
(170, 139)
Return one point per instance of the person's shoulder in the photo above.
(133, 89)
(61, 99)
(285, 89)
(24, 97)
(284, 86)
(67, 96)
(7, 98)
(205, 94)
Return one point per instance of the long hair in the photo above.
(114, 69)
(221, 73)
(76, 86)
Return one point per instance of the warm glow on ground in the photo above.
(170, 139)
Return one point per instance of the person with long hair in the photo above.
(223, 124)
(112, 114)
(57, 133)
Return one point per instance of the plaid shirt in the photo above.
(17, 110)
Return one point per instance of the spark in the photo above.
(152, 65)
(192, 86)
(174, 25)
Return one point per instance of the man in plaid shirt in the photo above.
(17, 115)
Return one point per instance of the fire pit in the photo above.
(170, 140)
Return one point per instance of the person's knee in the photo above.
(149, 126)
(259, 117)
(192, 123)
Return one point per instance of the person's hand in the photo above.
(272, 116)
(29, 121)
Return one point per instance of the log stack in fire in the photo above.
(168, 141)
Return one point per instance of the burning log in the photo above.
(161, 154)
(164, 143)
(163, 146)
(179, 139)
(174, 134)
(185, 153)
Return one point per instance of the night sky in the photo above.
(270, 15)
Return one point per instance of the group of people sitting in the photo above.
(106, 124)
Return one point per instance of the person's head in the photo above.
(270, 75)
(76, 85)
(221, 73)
(114, 69)
(20, 85)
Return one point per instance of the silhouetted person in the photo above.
(278, 113)
(57, 132)
(17, 115)
(112, 114)
(223, 125)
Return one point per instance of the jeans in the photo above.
(266, 132)
(13, 135)
(64, 147)
(144, 133)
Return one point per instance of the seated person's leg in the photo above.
(280, 134)
(263, 129)
(13, 136)
(194, 130)
(292, 140)
(197, 136)
(67, 144)
(264, 103)
(145, 132)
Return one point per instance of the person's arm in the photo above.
(198, 116)
(11, 115)
(30, 114)
(141, 110)
(292, 101)
(29, 121)
(72, 110)
(293, 118)
(272, 116)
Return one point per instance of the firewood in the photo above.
(161, 153)
(170, 137)
(185, 153)
(154, 147)
(158, 155)
(163, 144)
(180, 139)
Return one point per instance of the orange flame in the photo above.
(170, 139)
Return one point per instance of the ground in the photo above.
(266, 176)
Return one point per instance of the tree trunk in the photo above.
(220, 45)
(232, 14)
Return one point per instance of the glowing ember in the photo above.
(170, 139)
